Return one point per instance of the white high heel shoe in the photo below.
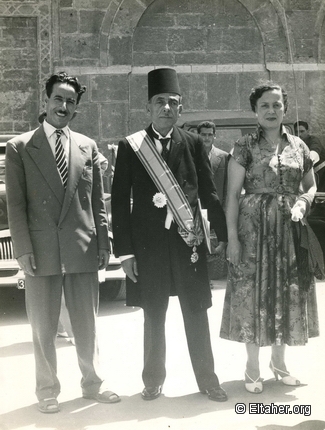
(255, 387)
(287, 380)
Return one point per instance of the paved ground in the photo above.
(181, 407)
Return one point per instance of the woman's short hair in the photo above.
(258, 91)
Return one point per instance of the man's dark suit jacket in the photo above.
(219, 165)
(163, 257)
(64, 229)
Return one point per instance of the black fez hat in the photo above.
(162, 81)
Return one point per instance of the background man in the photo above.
(59, 230)
(317, 152)
(157, 261)
(218, 158)
(217, 265)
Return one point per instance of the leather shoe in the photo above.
(103, 397)
(151, 393)
(216, 394)
(48, 406)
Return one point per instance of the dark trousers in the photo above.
(43, 301)
(198, 341)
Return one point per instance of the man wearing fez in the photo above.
(160, 240)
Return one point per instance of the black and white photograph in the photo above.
(162, 214)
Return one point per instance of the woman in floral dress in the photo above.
(270, 297)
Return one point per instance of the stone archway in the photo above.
(124, 17)
(118, 27)
(320, 33)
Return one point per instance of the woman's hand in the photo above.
(234, 252)
(298, 211)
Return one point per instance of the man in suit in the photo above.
(218, 158)
(217, 265)
(59, 231)
(156, 255)
(317, 152)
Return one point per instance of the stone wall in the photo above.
(220, 48)
(18, 73)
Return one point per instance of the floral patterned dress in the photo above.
(264, 303)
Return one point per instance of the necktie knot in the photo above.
(58, 133)
(164, 141)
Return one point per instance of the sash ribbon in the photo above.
(189, 226)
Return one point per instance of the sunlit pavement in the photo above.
(181, 407)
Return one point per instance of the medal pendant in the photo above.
(195, 255)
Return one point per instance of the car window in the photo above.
(228, 130)
(2, 162)
(3, 200)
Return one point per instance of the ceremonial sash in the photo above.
(320, 166)
(190, 227)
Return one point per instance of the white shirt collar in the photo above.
(50, 130)
(168, 135)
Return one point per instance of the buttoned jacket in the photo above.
(141, 231)
(63, 228)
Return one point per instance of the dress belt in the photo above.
(267, 190)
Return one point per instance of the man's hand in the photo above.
(27, 263)
(103, 258)
(220, 249)
(130, 268)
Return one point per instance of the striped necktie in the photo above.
(60, 159)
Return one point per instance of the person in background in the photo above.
(217, 266)
(270, 296)
(218, 158)
(317, 152)
(160, 242)
(60, 237)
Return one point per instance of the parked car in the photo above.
(228, 129)
(112, 279)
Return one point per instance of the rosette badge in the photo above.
(159, 200)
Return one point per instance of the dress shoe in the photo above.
(255, 387)
(151, 393)
(48, 406)
(216, 394)
(287, 379)
(103, 397)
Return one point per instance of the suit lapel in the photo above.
(77, 160)
(176, 150)
(215, 159)
(40, 151)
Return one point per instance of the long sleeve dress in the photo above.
(266, 301)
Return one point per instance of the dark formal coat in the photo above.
(163, 258)
(219, 164)
(64, 229)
